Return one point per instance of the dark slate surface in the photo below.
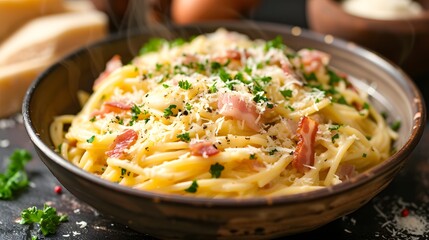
(376, 220)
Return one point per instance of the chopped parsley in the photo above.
(291, 108)
(91, 139)
(395, 126)
(333, 77)
(310, 77)
(177, 42)
(168, 111)
(193, 188)
(92, 119)
(364, 155)
(47, 219)
(165, 85)
(336, 136)
(213, 88)
(272, 152)
(365, 105)
(135, 112)
(215, 66)
(152, 45)
(188, 106)
(15, 177)
(224, 76)
(287, 93)
(252, 156)
(275, 43)
(123, 171)
(341, 100)
(334, 127)
(184, 137)
(184, 84)
(216, 170)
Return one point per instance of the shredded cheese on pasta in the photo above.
(224, 116)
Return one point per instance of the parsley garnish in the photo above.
(395, 126)
(287, 93)
(193, 188)
(213, 88)
(165, 85)
(310, 77)
(168, 111)
(91, 139)
(252, 156)
(336, 136)
(47, 218)
(216, 170)
(123, 171)
(152, 45)
(92, 119)
(14, 178)
(184, 137)
(275, 43)
(215, 66)
(291, 108)
(273, 151)
(364, 155)
(341, 100)
(365, 105)
(224, 76)
(177, 42)
(333, 77)
(188, 106)
(334, 127)
(135, 112)
(184, 84)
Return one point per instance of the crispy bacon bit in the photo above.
(113, 106)
(313, 60)
(233, 106)
(111, 66)
(304, 152)
(205, 149)
(346, 171)
(122, 142)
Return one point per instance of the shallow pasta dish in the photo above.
(224, 116)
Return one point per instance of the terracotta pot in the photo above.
(405, 42)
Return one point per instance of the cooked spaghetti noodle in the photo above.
(224, 116)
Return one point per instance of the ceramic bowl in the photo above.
(170, 216)
(404, 41)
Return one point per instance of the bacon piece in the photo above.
(123, 141)
(346, 171)
(233, 56)
(304, 152)
(233, 106)
(205, 149)
(111, 66)
(313, 60)
(112, 106)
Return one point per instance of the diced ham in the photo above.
(111, 66)
(234, 106)
(304, 152)
(112, 106)
(204, 148)
(189, 59)
(123, 141)
(233, 56)
(313, 60)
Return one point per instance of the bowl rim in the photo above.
(417, 129)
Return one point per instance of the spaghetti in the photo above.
(224, 116)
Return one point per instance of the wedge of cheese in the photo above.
(14, 13)
(37, 45)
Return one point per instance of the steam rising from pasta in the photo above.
(224, 116)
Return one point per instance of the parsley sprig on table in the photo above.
(15, 177)
(48, 219)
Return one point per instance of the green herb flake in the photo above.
(188, 106)
(193, 188)
(177, 42)
(275, 43)
(273, 151)
(287, 93)
(14, 178)
(92, 119)
(334, 127)
(365, 105)
(252, 156)
(135, 112)
(291, 108)
(248, 70)
(336, 136)
(395, 126)
(384, 115)
(215, 66)
(47, 219)
(213, 88)
(184, 137)
(333, 77)
(91, 139)
(152, 45)
(310, 77)
(168, 111)
(184, 84)
(34, 238)
(224, 76)
(341, 100)
(216, 170)
(364, 155)
(158, 66)
(123, 171)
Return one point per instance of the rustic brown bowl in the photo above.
(171, 216)
(404, 41)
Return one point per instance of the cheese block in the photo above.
(39, 44)
(51, 35)
(14, 13)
